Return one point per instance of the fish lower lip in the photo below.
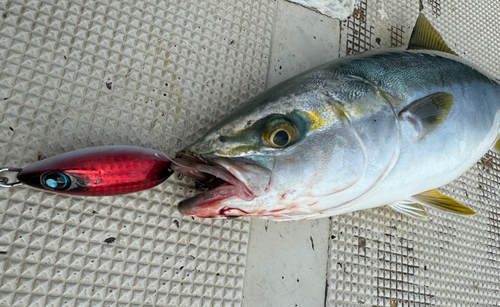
(208, 204)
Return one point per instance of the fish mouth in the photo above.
(221, 180)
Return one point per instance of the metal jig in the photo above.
(94, 171)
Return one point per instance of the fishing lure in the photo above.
(97, 171)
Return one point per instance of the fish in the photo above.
(381, 128)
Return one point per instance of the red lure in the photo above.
(98, 171)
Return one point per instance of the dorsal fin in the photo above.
(424, 36)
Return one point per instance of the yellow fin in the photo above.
(442, 202)
(424, 36)
(428, 113)
(411, 209)
(496, 146)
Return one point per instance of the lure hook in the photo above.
(4, 181)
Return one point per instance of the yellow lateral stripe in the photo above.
(316, 120)
(237, 151)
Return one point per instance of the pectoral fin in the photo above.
(424, 36)
(442, 202)
(410, 208)
(428, 113)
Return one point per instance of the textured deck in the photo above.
(75, 74)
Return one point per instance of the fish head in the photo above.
(275, 157)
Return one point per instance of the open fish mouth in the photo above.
(224, 180)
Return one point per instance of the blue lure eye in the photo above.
(55, 181)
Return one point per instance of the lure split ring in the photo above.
(4, 181)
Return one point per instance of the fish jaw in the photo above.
(211, 204)
(272, 205)
(236, 180)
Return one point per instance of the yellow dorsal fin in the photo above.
(442, 202)
(424, 36)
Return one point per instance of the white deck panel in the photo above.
(287, 261)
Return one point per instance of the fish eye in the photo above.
(55, 181)
(279, 133)
(280, 138)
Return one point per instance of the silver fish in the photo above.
(385, 128)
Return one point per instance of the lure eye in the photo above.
(55, 181)
(280, 133)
